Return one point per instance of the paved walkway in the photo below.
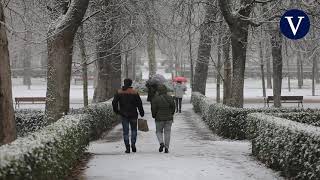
(195, 154)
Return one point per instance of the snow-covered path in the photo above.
(195, 154)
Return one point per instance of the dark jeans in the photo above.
(125, 125)
(178, 104)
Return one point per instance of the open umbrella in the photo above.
(157, 79)
(153, 83)
(180, 79)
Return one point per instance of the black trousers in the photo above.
(178, 104)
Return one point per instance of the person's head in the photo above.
(127, 82)
(162, 89)
(179, 82)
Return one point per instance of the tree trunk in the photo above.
(201, 69)
(301, 67)
(227, 70)
(218, 69)
(314, 64)
(27, 49)
(60, 47)
(151, 52)
(27, 59)
(276, 42)
(190, 48)
(269, 73)
(7, 120)
(317, 71)
(126, 65)
(108, 59)
(84, 66)
(262, 65)
(239, 39)
(288, 65)
(299, 73)
(133, 64)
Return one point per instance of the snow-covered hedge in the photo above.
(227, 121)
(28, 121)
(292, 147)
(51, 152)
(311, 118)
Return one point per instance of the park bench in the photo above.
(30, 100)
(76, 79)
(285, 99)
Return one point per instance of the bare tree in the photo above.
(206, 33)
(60, 46)
(276, 42)
(108, 50)
(268, 62)
(262, 62)
(238, 24)
(84, 65)
(227, 70)
(7, 120)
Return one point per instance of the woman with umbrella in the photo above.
(152, 85)
(179, 91)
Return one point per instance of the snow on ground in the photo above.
(252, 92)
(39, 88)
(195, 153)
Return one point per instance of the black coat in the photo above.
(126, 101)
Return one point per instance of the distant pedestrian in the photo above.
(179, 91)
(128, 100)
(163, 107)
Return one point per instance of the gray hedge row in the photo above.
(292, 147)
(311, 118)
(227, 121)
(28, 121)
(51, 152)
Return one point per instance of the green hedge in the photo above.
(28, 121)
(51, 152)
(292, 147)
(227, 121)
(311, 118)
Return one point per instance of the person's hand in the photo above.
(142, 114)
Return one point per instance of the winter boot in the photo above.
(166, 150)
(161, 147)
(127, 149)
(133, 147)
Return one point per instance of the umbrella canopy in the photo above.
(153, 83)
(180, 79)
(157, 79)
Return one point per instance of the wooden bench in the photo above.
(80, 79)
(285, 99)
(30, 100)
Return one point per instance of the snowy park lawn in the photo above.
(252, 92)
(39, 88)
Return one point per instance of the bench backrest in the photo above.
(285, 98)
(30, 99)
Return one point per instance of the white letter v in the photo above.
(294, 29)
